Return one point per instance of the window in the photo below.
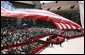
(7, 5)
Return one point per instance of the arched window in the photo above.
(56, 1)
(72, 6)
(7, 5)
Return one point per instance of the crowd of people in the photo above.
(25, 49)
(70, 33)
(21, 35)
(12, 33)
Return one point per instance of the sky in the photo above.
(46, 1)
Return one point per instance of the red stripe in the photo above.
(64, 24)
(41, 17)
(70, 24)
(61, 25)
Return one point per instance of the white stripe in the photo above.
(59, 25)
(68, 26)
(40, 11)
(30, 13)
(49, 14)
(73, 27)
(43, 14)
(63, 25)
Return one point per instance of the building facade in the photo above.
(67, 9)
(26, 4)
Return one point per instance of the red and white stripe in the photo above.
(63, 23)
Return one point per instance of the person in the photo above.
(57, 40)
(51, 41)
(52, 44)
(48, 41)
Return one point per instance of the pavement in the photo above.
(72, 46)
